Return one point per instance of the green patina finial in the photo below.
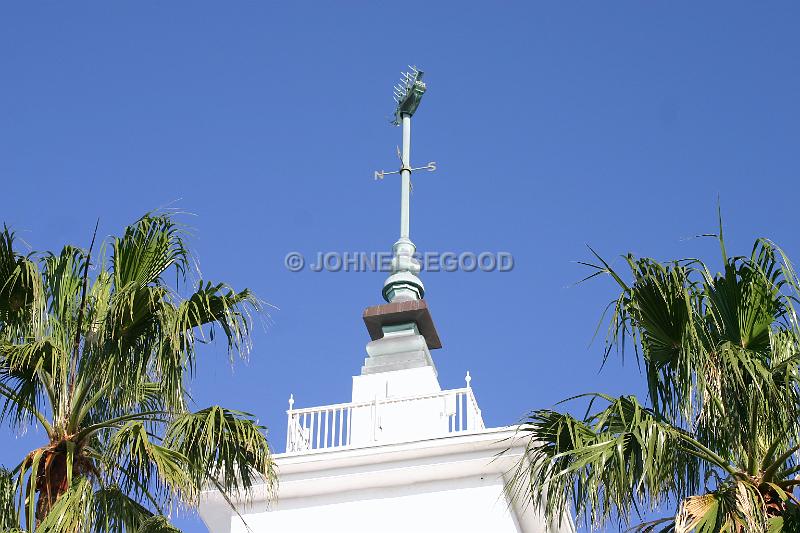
(404, 283)
(408, 94)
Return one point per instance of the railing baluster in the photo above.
(289, 435)
(318, 421)
(348, 434)
(325, 437)
(333, 427)
(475, 414)
(299, 436)
(324, 424)
(311, 430)
(341, 416)
(289, 424)
(460, 410)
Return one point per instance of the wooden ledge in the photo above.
(391, 314)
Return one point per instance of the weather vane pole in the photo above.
(404, 283)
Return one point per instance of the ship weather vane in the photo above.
(407, 95)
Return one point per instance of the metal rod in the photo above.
(405, 182)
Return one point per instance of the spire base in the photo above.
(403, 287)
(401, 347)
(403, 284)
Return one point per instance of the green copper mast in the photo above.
(404, 283)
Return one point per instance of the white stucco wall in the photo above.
(398, 422)
(473, 504)
(446, 484)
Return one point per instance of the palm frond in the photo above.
(216, 305)
(226, 446)
(147, 249)
(72, 512)
(612, 461)
(157, 524)
(211, 308)
(21, 292)
(661, 525)
(9, 518)
(141, 463)
(735, 506)
(131, 336)
(26, 379)
(116, 512)
(62, 275)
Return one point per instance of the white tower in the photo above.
(402, 455)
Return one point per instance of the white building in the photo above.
(403, 455)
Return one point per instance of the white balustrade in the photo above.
(329, 426)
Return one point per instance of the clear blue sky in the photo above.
(554, 125)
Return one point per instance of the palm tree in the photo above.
(98, 352)
(717, 437)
